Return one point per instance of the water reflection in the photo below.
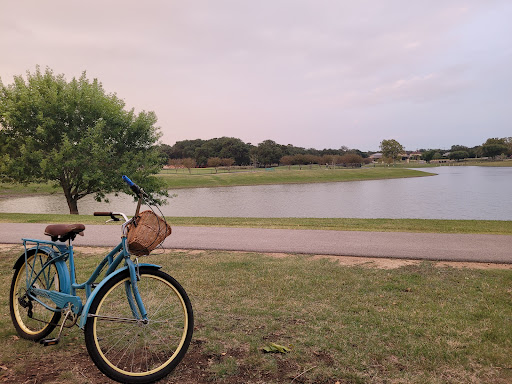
(455, 193)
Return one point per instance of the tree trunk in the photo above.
(73, 206)
(72, 201)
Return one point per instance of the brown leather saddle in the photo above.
(63, 232)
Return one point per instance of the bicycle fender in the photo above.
(87, 306)
(62, 269)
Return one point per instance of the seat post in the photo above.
(72, 264)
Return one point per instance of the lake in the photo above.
(454, 193)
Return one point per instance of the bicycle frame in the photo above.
(67, 294)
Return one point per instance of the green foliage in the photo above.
(459, 155)
(493, 150)
(428, 155)
(75, 135)
(496, 146)
(267, 153)
(202, 150)
(391, 149)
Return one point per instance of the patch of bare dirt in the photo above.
(78, 368)
(386, 263)
(369, 262)
(195, 368)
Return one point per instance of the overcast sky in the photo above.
(312, 73)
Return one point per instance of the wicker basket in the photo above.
(146, 233)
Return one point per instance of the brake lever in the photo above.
(112, 218)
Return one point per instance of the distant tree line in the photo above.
(492, 148)
(230, 151)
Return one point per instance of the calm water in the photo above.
(455, 193)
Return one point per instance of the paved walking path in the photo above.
(427, 246)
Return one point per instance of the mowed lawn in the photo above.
(281, 175)
(409, 322)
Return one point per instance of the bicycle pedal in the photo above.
(47, 342)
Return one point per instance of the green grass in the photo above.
(495, 227)
(416, 324)
(282, 175)
(50, 218)
(206, 177)
(503, 163)
(466, 162)
(8, 189)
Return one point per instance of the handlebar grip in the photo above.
(134, 187)
(102, 213)
(128, 181)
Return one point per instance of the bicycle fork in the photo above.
(132, 292)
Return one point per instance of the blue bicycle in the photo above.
(137, 319)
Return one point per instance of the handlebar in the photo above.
(134, 187)
(139, 192)
(102, 213)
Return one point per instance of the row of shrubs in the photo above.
(348, 159)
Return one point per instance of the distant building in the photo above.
(410, 156)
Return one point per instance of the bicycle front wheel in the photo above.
(130, 350)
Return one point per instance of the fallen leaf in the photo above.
(276, 348)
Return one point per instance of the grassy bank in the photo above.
(206, 177)
(337, 224)
(209, 177)
(350, 324)
(282, 175)
(13, 189)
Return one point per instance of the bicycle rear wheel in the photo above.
(30, 318)
(128, 350)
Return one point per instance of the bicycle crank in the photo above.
(55, 340)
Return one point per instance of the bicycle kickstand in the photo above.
(55, 340)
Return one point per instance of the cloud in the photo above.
(421, 88)
(300, 70)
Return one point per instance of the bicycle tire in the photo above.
(31, 319)
(132, 352)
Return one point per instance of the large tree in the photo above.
(391, 149)
(75, 135)
(267, 153)
(494, 147)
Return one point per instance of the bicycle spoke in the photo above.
(135, 348)
(32, 319)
